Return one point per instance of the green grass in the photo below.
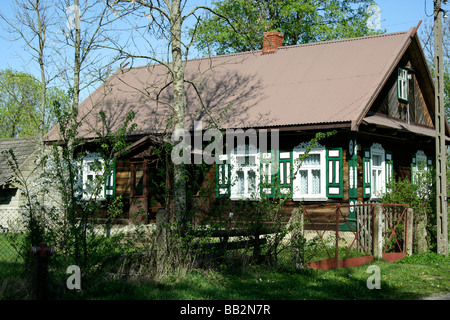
(10, 260)
(413, 278)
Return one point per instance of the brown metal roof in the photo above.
(318, 83)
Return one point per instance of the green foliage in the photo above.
(419, 194)
(239, 25)
(20, 104)
(55, 210)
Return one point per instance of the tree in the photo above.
(84, 30)
(20, 105)
(299, 21)
(31, 23)
(427, 39)
(165, 19)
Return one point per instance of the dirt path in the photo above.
(442, 296)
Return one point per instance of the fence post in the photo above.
(336, 257)
(297, 252)
(409, 230)
(421, 231)
(378, 232)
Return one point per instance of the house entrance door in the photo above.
(139, 195)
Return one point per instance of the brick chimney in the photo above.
(271, 41)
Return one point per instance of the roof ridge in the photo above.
(320, 43)
(317, 43)
(19, 138)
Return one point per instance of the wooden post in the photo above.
(421, 231)
(297, 253)
(336, 255)
(410, 231)
(378, 232)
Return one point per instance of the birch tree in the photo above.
(85, 29)
(166, 19)
(31, 22)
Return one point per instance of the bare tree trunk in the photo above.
(42, 37)
(76, 74)
(179, 107)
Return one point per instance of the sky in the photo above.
(400, 15)
(395, 15)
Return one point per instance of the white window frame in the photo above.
(421, 165)
(421, 157)
(240, 152)
(378, 186)
(296, 181)
(87, 171)
(403, 84)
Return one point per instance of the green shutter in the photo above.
(267, 168)
(352, 186)
(353, 171)
(223, 177)
(334, 173)
(110, 181)
(284, 174)
(367, 174)
(389, 168)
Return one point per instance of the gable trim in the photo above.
(391, 69)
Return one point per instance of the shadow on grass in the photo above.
(338, 284)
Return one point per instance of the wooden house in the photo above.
(376, 93)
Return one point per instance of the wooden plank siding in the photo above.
(388, 103)
(123, 177)
(402, 147)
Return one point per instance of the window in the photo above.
(378, 182)
(402, 84)
(309, 182)
(93, 180)
(377, 171)
(92, 176)
(419, 172)
(245, 168)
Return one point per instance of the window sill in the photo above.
(237, 198)
(310, 198)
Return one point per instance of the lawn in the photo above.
(411, 278)
(10, 261)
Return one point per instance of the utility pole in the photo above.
(441, 152)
